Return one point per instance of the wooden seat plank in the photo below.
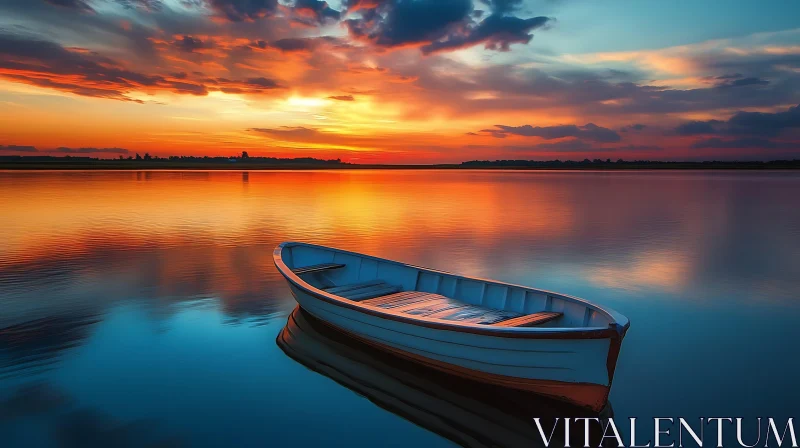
(440, 307)
(317, 268)
(402, 300)
(407, 309)
(491, 317)
(446, 311)
(364, 289)
(410, 303)
(530, 320)
(342, 288)
(425, 304)
(390, 298)
(466, 312)
(369, 293)
(418, 303)
(479, 315)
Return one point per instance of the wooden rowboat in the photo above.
(489, 331)
(470, 413)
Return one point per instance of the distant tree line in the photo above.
(620, 163)
(139, 160)
(245, 161)
(244, 157)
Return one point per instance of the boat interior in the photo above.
(426, 293)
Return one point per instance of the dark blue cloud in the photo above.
(189, 44)
(742, 82)
(589, 131)
(74, 4)
(398, 23)
(503, 6)
(439, 25)
(740, 143)
(146, 5)
(759, 124)
(763, 123)
(17, 148)
(496, 32)
(294, 44)
(698, 127)
(636, 127)
(84, 5)
(572, 145)
(243, 10)
(730, 76)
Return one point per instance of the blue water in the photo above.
(141, 308)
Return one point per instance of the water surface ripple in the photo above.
(143, 307)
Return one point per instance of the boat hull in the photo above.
(570, 367)
(471, 413)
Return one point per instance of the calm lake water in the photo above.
(143, 307)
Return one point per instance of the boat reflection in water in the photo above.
(465, 411)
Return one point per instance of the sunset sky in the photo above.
(402, 81)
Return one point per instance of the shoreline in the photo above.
(239, 166)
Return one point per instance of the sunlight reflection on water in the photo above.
(115, 286)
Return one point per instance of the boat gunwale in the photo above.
(616, 329)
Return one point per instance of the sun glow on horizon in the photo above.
(223, 77)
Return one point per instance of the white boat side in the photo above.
(572, 357)
(470, 413)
